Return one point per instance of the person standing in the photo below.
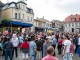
(20, 39)
(15, 42)
(54, 41)
(66, 48)
(25, 49)
(45, 45)
(50, 53)
(60, 41)
(8, 46)
(78, 40)
(33, 48)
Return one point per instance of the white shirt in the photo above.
(67, 43)
(15, 42)
(78, 41)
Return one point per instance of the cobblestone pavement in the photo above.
(75, 57)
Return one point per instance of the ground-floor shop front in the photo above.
(39, 29)
(12, 26)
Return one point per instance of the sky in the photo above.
(52, 9)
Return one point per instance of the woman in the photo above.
(25, 49)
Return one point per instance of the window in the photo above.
(23, 16)
(79, 24)
(72, 24)
(15, 15)
(69, 24)
(29, 19)
(23, 6)
(50, 25)
(73, 19)
(19, 6)
(19, 16)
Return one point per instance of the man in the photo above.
(78, 40)
(33, 48)
(20, 39)
(50, 53)
(66, 49)
(54, 41)
(8, 46)
(45, 45)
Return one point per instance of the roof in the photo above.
(1, 4)
(15, 3)
(42, 20)
(73, 18)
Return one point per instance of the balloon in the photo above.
(6, 32)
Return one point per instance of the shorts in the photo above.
(25, 56)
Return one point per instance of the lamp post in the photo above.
(11, 27)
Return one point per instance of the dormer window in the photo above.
(73, 19)
(12, 5)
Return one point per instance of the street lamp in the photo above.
(11, 27)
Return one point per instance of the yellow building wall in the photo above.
(13, 28)
(7, 14)
(10, 14)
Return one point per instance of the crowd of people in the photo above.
(40, 45)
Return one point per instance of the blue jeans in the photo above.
(8, 52)
(67, 56)
(33, 57)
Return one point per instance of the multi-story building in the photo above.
(18, 15)
(1, 5)
(42, 25)
(57, 26)
(72, 23)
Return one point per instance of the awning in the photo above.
(16, 23)
(21, 24)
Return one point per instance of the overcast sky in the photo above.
(53, 9)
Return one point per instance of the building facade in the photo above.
(19, 14)
(57, 26)
(42, 25)
(1, 5)
(72, 23)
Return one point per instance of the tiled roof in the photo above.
(75, 17)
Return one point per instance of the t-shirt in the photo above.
(67, 43)
(60, 42)
(32, 47)
(49, 57)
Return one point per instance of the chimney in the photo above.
(76, 14)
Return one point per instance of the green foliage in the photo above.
(5, 21)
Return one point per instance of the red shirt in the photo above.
(60, 42)
(25, 45)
